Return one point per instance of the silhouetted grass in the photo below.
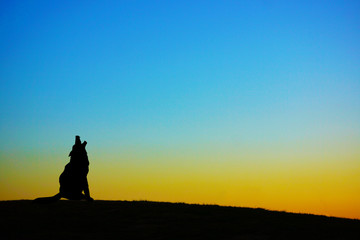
(159, 220)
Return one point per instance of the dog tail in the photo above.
(48, 199)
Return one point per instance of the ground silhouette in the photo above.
(159, 220)
(72, 219)
(73, 180)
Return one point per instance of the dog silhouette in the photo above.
(73, 180)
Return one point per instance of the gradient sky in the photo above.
(243, 103)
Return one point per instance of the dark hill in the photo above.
(157, 220)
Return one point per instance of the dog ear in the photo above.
(84, 143)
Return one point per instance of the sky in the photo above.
(240, 103)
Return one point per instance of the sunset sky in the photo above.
(241, 103)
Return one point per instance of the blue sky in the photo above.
(160, 64)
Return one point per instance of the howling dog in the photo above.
(73, 180)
